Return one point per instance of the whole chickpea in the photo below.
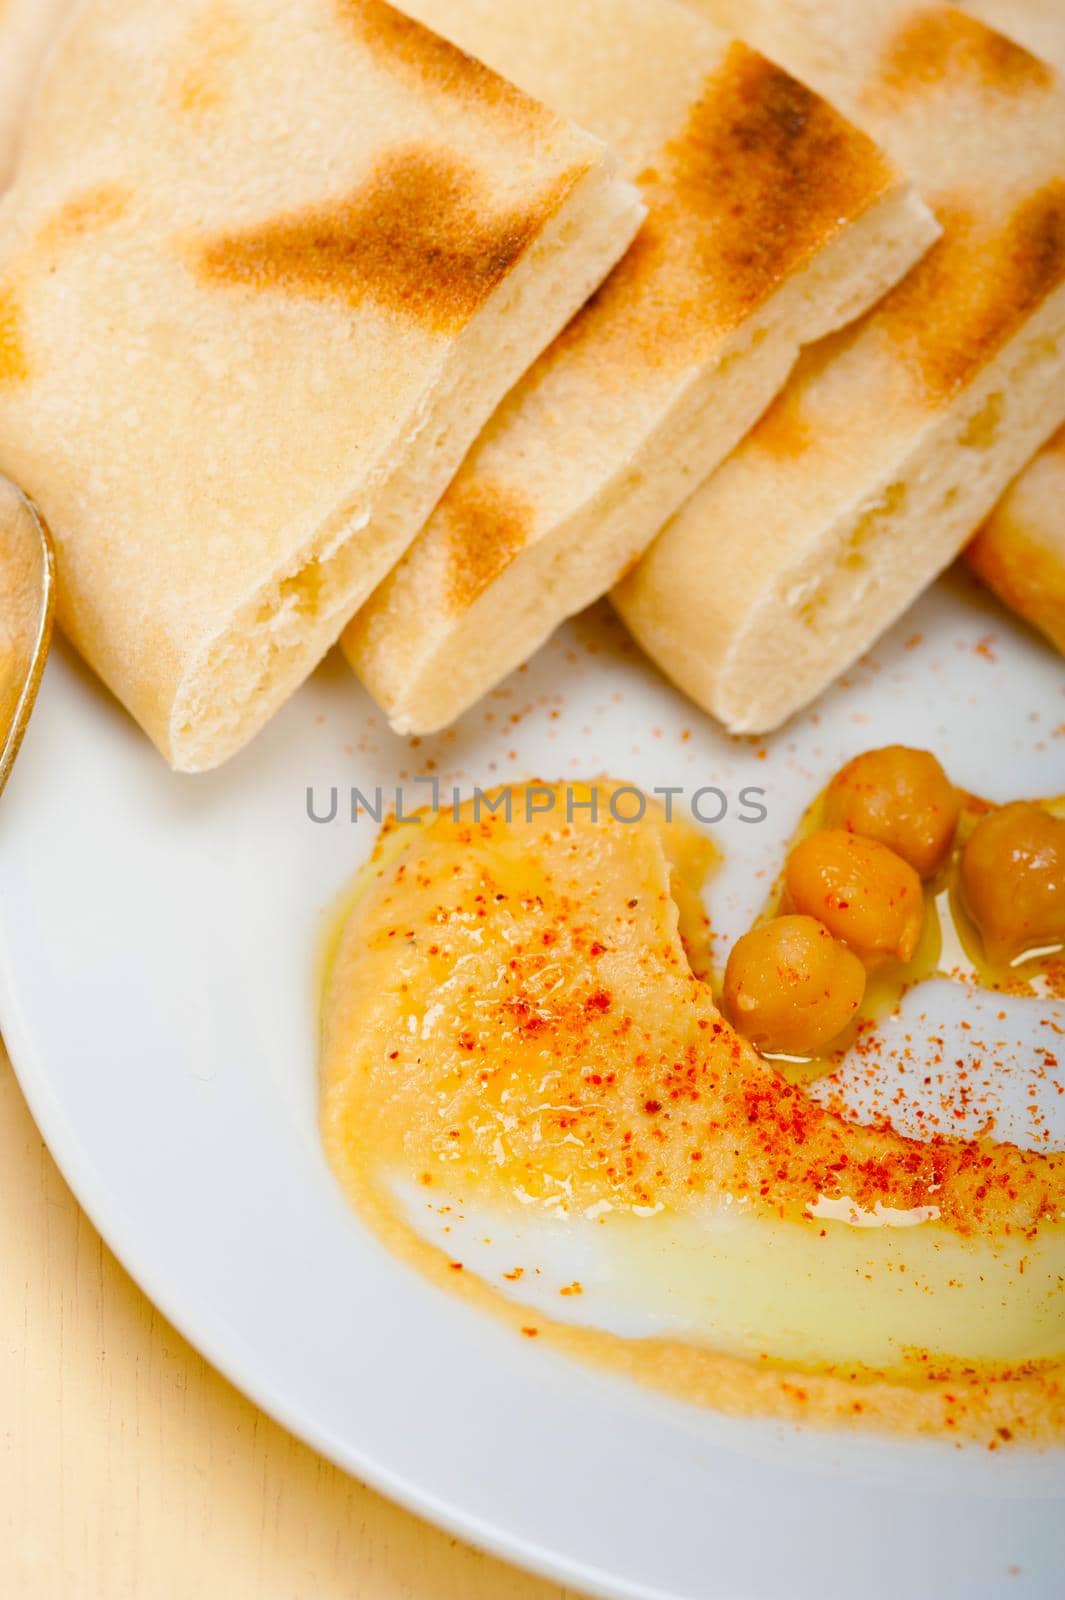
(1013, 880)
(790, 987)
(863, 892)
(899, 797)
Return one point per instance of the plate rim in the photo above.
(40, 1057)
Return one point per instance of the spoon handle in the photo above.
(27, 606)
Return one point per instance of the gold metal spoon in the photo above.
(27, 602)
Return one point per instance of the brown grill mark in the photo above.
(14, 365)
(486, 525)
(763, 176)
(975, 288)
(432, 62)
(767, 169)
(939, 47)
(215, 40)
(83, 214)
(419, 238)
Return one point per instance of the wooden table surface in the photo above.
(129, 1470)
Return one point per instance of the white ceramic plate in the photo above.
(158, 938)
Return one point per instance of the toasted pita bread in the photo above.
(1020, 551)
(267, 268)
(28, 29)
(894, 439)
(772, 220)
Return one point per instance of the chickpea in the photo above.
(901, 798)
(790, 987)
(863, 892)
(1013, 880)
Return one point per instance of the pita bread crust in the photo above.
(1019, 553)
(268, 267)
(771, 220)
(894, 439)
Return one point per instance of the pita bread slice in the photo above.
(1020, 550)
(28, 29)
(267, 268)
(772, 220)
(894, 439)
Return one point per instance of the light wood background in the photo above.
(129, 1470)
